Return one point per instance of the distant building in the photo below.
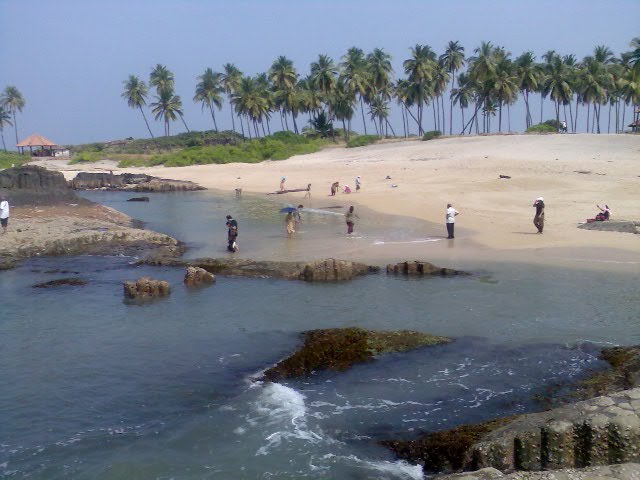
(40, 146)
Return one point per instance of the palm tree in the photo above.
(161, 78)
(379, 110)
(284, 78)
(5, 120)
(462, 95)
(419, 68)
(452, 59)
(230, 80)
(556, 84)
(250, 100)
(343, 103)
(13, 101)
(135, 93)
(505, 87)
(208, 92)
(167, 107)
(356, 76)
(527, 76)
(324, 77)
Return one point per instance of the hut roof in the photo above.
(36, 140)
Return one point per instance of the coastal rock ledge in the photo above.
(146, 287)
(136, 182)
(339, 348)
(624, 471)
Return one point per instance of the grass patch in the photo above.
(278, 146)
(431, 135)
(362, 140)
(548, 126)
(12, 158)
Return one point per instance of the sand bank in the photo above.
(572, 173)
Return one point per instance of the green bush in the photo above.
(12, 158)
(278, 146)
(86, 156)
(362, 140)
(431, 135)
(542, 128)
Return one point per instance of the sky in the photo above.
(70, 57)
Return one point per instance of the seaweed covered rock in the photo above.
(146, 287)
(340, 348)
(58, 282)
(420, 268)
(198, 276)
(330, 270)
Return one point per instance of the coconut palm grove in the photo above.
(483, 84)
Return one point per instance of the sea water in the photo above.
(93, 386)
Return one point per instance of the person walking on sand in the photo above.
(289, 224)
(308, 193)
(232, 234)
(451, 220)
(350, 217)
(358, 184)
(282, 183)
(538, 219)
(4, 214)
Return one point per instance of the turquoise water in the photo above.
(96, 387)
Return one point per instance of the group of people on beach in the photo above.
(335, 187)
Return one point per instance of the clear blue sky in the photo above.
(69, 57)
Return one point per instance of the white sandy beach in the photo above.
(572, 172)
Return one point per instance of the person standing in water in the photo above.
(350, 217)
(538, 219)
(297, 216)
(289, 224)
(451, 220)
(232, 234)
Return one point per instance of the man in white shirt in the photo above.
(451, 219)
(4, 214)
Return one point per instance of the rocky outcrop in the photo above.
(419, 269)
(328, 270)
(73, 282)
(130, 181)
(198, 276)
(624, 226)
(33, 185)
(340, 348)
(138, 199)
(146, 288)
(625, 471)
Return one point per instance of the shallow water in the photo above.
(96, 387)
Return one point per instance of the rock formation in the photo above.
(340, 348)
(130, 181)
(72, 281)
(198, 276)
(625, 471)
(624, 226)
(146, 288)
(317, 271)
(418, 268)
(138, 199)
(32, 185)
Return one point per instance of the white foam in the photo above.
(426, 240)
(399, 469)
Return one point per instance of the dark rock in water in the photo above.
(418, 268)
(146, 288)
(138, 199)
(58, 282)
(317, 271)
(623, 226)
(340, 348)
(198, 276)
(130, 181)
(504, 176)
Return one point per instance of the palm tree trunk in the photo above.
(15, 127)
(571, 116)
(233, 122)
(4, 145)
(268, 126)
(462, 112)
(364, 123)
(281, 119)
(213, 116)
(526, 109)
(344, 128)
(509, 117)
(624, 112)
(500, 117)
(541, 106)
(241, 126)
(248, 126)
(453, 83)
(389, 125)
(404, 126)
(184, 123)
(444, 119)
(264, 134)
(588, 114)
(575, 121)
(375, 125)
(286, 122)
(295, 125)
(609, 122)
(435, 117)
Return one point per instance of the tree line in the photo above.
(484, 84)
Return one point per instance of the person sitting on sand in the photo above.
(538, 219)
(4, 214)
(289, 224)
(282, 183)
(604, 214)
(346, 189)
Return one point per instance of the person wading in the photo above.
(232, 234)
(451, 220)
